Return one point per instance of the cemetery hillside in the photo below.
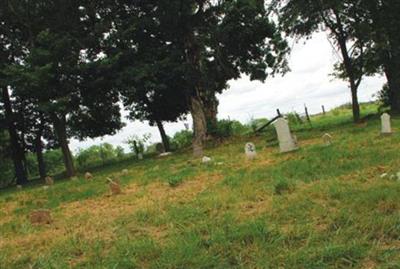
(186, 134)
(330, 204)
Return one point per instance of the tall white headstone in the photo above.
(250, 150)
(286, 141)
(386, 126)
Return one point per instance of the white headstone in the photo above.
(386, 126)
(250, 150)
(140, 156)
(287, 142)
(206, 159)
(327, 138)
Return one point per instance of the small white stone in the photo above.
(386, 125)
(206, 159)
(165, 154)
(384, 175)
(125, 172)
(250, 151)
(45, 187)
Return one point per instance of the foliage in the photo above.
(175, 181)
(98, 154)
(293, 118)
(182, 139)
(384, 96)
(137, 144)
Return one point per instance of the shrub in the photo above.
(182, 139)
(175, 181)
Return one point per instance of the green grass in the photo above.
(319, 207)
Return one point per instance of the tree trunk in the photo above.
(61, 132)
(16, 151)
(164, 136)
(199, 125)
(210, 102)
(348, 65)
(39, 156)
(393, 78)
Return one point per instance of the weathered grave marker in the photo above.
(327, 138)
(125, 172)
(386, 126)
(49, 180)
(88, 176)
(206, 159)
(115, 186)
(40, 217)
(287, 142)
(250, 151)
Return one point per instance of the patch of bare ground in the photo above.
(93, 218)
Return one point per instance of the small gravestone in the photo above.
(386, 126)
(287, 142)
(140, 156)
(88, 176)
(40, 217)
(19, 187)
(125, 172)
(115, 186)
(327, 138)
(49, 180)
(250, 151)
(206, 159)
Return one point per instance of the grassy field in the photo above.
(319, 207)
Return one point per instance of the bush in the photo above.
(384, 97)
(182, 139)
(98, 154)
(294, 118)
(175, 181)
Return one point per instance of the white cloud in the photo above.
(309, 82)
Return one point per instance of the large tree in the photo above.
(378, 22)
(301, 18)
(214, 41)
(60, 44)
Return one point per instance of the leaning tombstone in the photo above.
(327, 138)
(250, 151)
(386, 126)
(287, 142)
(49, 180)
(114, 187)
(40, 217)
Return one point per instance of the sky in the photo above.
(309, 82)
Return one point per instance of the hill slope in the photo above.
(319, 207)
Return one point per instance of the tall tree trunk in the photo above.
(164, 136)
(348, 65)
(196, 106)
(39, 155)
(210, 102)
(61, 132)
(16, 151)
(199, 125)
(392, 73)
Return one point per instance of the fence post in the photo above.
(323, 110)
(279, 113)
(307, 115)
